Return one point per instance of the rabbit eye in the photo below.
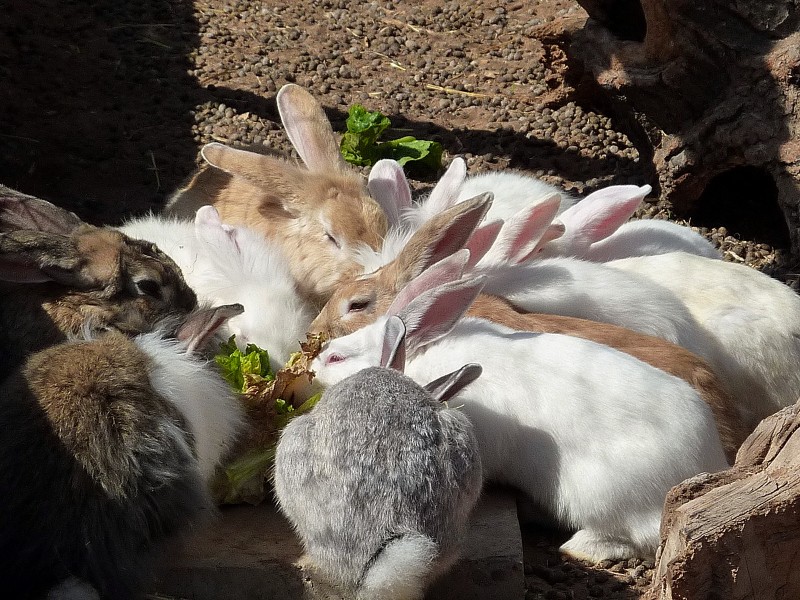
(149, 287)
(357, 305)
(334, 358)
(332, 239)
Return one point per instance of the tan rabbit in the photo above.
(59, 276)
(320, 215)
(361, 301)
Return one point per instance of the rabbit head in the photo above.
(319, 215)
(361, 300)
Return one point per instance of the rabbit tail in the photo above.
(400, 570)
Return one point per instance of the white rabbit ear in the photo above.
(523, 231)
(447, 386)
(440, 237)
(198, 328)
(481, 241)
(209, 227)
(445, 192)
(20, 211)
(393, 352)
(433, 315)
(388, 186)
(309, 129)
(602, 212)
(554, 231)
(446, 270)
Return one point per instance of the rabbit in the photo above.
(319, 215)
(233, 264)
(594, 436)
(597, 229)
(59, 276)
(380, 477)
(107, 451)
(753, 316)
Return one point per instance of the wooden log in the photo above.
(707, 89)
(736, 534)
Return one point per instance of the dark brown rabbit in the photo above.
(59, 276)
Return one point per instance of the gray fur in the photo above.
(377, 459)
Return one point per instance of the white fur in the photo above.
(245, 269)
(753, 316)
(401, 571)
(513, 191)
(212, 412)
(591, 434)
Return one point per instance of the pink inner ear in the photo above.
(602, 212)
(481, 241)
(207, 215)
(526, 228)
(446, 270)
(388, 186)
(445, 192)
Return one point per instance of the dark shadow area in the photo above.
(745, 201)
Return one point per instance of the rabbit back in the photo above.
(96, 469)
(392, 470)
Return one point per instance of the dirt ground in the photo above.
(104, 105)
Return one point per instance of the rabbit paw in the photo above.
(593, 547)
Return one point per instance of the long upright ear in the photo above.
(433, 315)
(388, 186)
(440, 237)
(602, 212)
(482, 240)
(200, 325)
(523, 231)
(36, 257)
(447, 386)
(393, 351)
(309, 129)
(446, 270)
(445, 192)
(21, 211)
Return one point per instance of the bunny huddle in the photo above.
(591, 361)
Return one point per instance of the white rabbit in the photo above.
(597, 229)
(225, 264)
(594, 436)
(753, 316)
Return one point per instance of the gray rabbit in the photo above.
(380, 477)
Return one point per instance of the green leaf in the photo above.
(408, 149)
(237, 366)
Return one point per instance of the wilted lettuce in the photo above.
(360, 145)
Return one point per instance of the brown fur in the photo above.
(292, 205)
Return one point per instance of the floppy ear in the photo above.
(433, 314)
(309, 129)
(21, 211)
(36, 257)
(446, 270)
(521, 234)
(388, 186)
(482, 240)
(602, 212)
(196, 331)
(447, 386)
(440, 237)
(393, 352)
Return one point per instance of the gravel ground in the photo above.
(104, 105)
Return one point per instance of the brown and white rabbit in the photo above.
(59, 276)
(106, 451)
(320, 215)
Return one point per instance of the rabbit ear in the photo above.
(602, 212)
(522, 233)
(446, 270)
(243, 163)
(389, 187)
(447, 386)
(36, 257)
(393, 352)
(554, 231)
(445, 193)
(20, 211)
(309, 129)
(433, 314)
(481, 241)
(440, 237)
(198, 328)
(208, 226)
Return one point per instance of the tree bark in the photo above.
(735, 535)
(712, 86)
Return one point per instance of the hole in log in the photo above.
(624, 18)
(745, 201)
